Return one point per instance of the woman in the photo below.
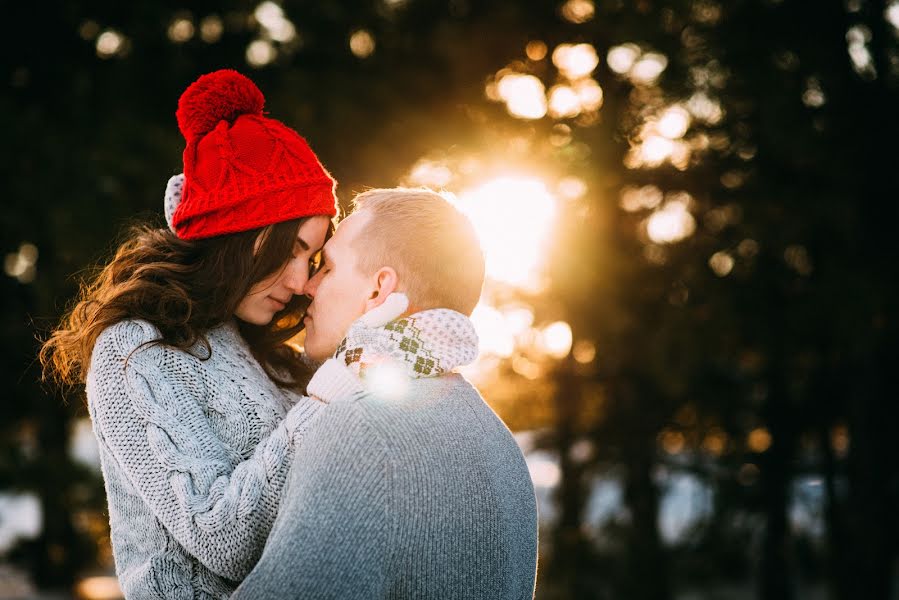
(181, 342)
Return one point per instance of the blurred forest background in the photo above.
(688, 208)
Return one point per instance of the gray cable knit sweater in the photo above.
(420, 495)
(194, 454)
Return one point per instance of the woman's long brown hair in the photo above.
(184, 288)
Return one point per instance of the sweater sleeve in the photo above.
(217, 505)
(332, 538)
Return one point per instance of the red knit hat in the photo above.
(242, 170)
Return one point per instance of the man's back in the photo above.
(422, 497)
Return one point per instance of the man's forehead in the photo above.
(346, 232)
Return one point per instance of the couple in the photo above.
(388, 478)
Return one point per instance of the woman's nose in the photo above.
(296, 276)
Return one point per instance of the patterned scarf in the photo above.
(425, 344)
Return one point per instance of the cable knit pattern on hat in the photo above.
(194, 454)
(242, 170)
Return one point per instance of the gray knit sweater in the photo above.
(420, 496)
(194, 454)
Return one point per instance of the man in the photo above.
(421, 493)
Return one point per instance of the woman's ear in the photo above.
(385, 282)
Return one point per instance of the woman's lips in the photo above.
(280, 305)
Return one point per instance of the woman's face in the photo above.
(272, 294)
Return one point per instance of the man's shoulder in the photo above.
(434, 410)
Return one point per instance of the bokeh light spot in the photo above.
(211, 29)
(524, 95)
(674, 122)
(575, 60)
(584, 351)
(110, 43)
(759, 440)
(260, 53)
(362, 43)
(578, 11)
(181, 29)
(556, 338)
(671, 223)
(722, 263)
(622, 58)
(536, 50)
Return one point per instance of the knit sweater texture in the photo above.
(419, 495)
(194, 454)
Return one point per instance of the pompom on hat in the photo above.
(242, 170)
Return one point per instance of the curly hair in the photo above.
(184, 288)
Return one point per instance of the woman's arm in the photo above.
(218, 507)
(334, 534)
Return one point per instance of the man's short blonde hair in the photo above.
(431, 245)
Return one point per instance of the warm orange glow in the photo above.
(672, 442)
(110, 43)
(655, 149)
(578, 11)
(277, 27)
(555, 339)
(584, 351)
(430, 174)
(563, 102)
(715, 442)
(704, 108)
(622, 58)
(572, 188)
(260, 53)
(839, 440)
(500, 331)
(759, 440)
(642, 198)
(524, 95)
(211, 29)
(671, 223)
(527, 368)
(674, 122)
(575, 60)
(513, 217)
(589, 94)
(22, 264)
(181, 30)
(362, 43)
(98, 588)
(536, 50)
(648, 68)
(722, 263)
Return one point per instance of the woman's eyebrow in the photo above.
(302, 243)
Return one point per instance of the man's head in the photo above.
(397, 240)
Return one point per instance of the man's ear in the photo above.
(384, 282)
